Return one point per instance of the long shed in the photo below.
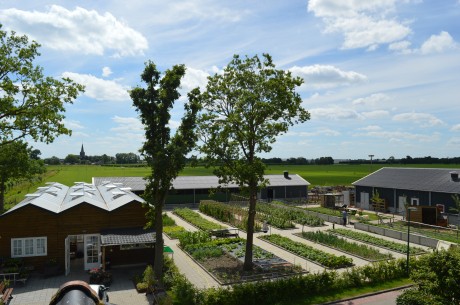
(430, 188)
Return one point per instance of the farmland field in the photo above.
(322, 175)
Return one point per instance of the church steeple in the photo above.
(82, 153)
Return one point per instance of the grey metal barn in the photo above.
(192, 189)
(421, 186)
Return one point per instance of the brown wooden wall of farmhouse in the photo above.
(32, 221)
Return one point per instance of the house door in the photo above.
(92, 250)
(67, 255)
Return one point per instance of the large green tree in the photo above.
(436, 277)
(17, 162)
(244, 109)
(31, 104)
(165, 153)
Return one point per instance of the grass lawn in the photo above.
(350, 293)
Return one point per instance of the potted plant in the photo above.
(98, 276)
(52, 268)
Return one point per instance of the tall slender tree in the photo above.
(244, 110)
(164, 153)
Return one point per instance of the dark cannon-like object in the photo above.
(80, 293)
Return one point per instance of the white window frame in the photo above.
(18, 246)
(414, 200)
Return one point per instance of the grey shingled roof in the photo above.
(200, 182)
(420, 179)
(127, 236)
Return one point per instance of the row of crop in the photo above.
(231, 214)
(279, 213)
(353, 248)
(195, 219)
(170, 228)
(323, 258)
(380, 242)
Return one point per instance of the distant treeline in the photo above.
(406, 160)
(132, 158)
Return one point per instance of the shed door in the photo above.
(92, 250)
(364, 200)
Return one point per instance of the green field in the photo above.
(321, 175)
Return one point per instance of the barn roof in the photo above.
(201, 182)
(56, 197)
(420, 179)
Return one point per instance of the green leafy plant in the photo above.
(323, 258)
(376, 241)
(331, 240)
(195, 219)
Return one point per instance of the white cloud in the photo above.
(371, 128)
(72, 124)
(106, 71)
(438, 43)
(455, 127)
(372, 100)
(325, 76)
(194, 78)
(398, 136)
(377, 114)
(318, 132)
(127, 124)
(334, 113)
(402, 47)
(99, 89)
(77, 30)
(422, 119)
(454, 142)
(364, 24)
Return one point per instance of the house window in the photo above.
(29, 246)
(414, 201)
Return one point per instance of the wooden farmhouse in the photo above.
(429, 190)
(92, 224)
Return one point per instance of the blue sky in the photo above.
(382, 77)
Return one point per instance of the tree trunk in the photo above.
(2, 193)
(159, 243)
(248, 265)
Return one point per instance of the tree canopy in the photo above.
(17, 162)
(31, 104)
(244, 110)
(436, 277)
(164, 153)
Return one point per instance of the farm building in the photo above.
(430, 189)
(192, 189)
(86, 224)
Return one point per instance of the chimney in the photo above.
(454, 176)
(286, 175)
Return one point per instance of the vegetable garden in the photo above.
(317, 256)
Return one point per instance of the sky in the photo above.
(381, 77)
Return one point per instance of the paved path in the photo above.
(386, 298)
(39, 290)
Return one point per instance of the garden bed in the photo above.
(352, 248)
(223, 259)
(379, 242)
(309, 253)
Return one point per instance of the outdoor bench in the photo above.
(7, 293)
(225, 233)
